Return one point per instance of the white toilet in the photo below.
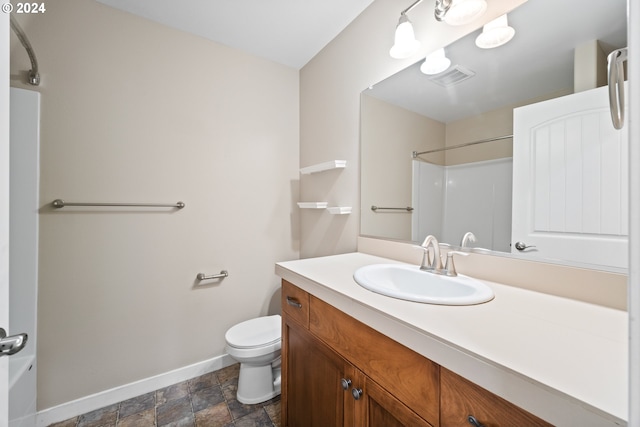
(256, 345)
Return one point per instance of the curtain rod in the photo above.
(34, 75)
(415, 154)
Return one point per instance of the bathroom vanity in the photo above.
(355, 358)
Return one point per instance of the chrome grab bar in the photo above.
(221, 275)
(377, 208)
(615, 72)
(59, 203)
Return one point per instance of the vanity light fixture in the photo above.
(460, 12)
(435, 63)
(405, 43)
(453, 12)
(495, 33)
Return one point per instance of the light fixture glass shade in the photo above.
(405, 43)
(435, 63)
(462, 12)
(495, 33)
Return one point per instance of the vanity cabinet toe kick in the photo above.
(338, 371)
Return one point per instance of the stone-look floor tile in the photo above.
(145, 418)
(228, 373)
(174, 411)
(257, 418)
(203, 381)
(184, 422)
(173, 392)
(71, 422)
(273, 410)
(106, 416)
(137, 404)
(239, 410)
(206, 401)
(205, 398)
(230, 389)
(214, 416)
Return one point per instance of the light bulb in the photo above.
(495, 33)
(435, 63)
(462, 12)
(405, 43)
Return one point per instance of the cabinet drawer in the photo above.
(410, 377)
(295, 303)
(461, 398)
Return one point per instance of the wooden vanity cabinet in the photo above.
(460, 398)
(337, 371)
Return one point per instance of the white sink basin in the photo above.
(408, 282)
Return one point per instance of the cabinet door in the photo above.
(461, 399)
(410, 377)
(313, 382)
(376, 407)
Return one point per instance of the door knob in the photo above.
(12, 344)
(521, 246)
(346, 383)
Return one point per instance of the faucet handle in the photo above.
(449, 267)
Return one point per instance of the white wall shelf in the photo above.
(312, 205)
(320, 167)
(334, 210)
(339, 210)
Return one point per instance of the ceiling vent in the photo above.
(453, 76)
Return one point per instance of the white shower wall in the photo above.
(473, 197)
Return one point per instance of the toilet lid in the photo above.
(256, 332)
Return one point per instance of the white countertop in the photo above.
(561, 359)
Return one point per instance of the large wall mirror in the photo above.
(437, 151)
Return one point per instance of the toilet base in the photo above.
(257, 384)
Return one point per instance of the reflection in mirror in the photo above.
(452, 186)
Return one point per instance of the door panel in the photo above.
(314, 393)
(570, 181)
(382, 409)
(4, 211)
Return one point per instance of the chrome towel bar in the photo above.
(59, 203)
(221, 275)
(377, 208)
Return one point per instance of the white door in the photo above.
(4, 209)
(570, 181)
(23, 251)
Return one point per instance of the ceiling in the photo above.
(539, 60)
(289, 32)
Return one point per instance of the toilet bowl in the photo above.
(256, 345)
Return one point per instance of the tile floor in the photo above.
(206, 401)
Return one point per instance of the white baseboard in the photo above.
(118, 394)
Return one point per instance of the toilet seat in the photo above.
(259, 332)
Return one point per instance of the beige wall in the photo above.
(388, 136)
(330, 86)
(135, 111)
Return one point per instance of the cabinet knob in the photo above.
(357, 393)
(346, 383)
(472, 420)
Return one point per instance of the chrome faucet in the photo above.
(468, 237)
(435, 265)
(432, 265)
